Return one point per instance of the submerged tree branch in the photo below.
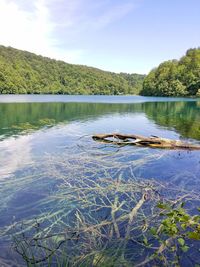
(138, 140)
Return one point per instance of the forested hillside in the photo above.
(175, 77)
(22, 72)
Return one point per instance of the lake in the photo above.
(47, 155)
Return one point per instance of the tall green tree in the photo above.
(175, 78)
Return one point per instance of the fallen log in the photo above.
(138, 140)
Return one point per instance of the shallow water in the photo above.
(39, 132)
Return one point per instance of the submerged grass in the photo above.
(98, 211)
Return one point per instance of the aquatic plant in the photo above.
(99, 212)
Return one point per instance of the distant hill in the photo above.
(175, 77)
(23, 72)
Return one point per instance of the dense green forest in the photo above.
(175, 77)
(23, 72)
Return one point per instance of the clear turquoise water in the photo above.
(36, 130)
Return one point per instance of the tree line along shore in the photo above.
(22, 72)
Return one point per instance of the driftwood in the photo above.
(138, 140)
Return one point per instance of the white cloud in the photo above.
(24, 29)
(113, 14)
(57, 28)
(31, 30)
(87, 15)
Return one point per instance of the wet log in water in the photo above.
(138, 140)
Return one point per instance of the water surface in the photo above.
(38, 132)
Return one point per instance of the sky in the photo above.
(131, 36)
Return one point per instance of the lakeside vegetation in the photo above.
(175, 77)
(23, 72)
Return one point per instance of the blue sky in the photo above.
(117, 35)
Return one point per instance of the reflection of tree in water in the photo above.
(184, 117)
(19, 117)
